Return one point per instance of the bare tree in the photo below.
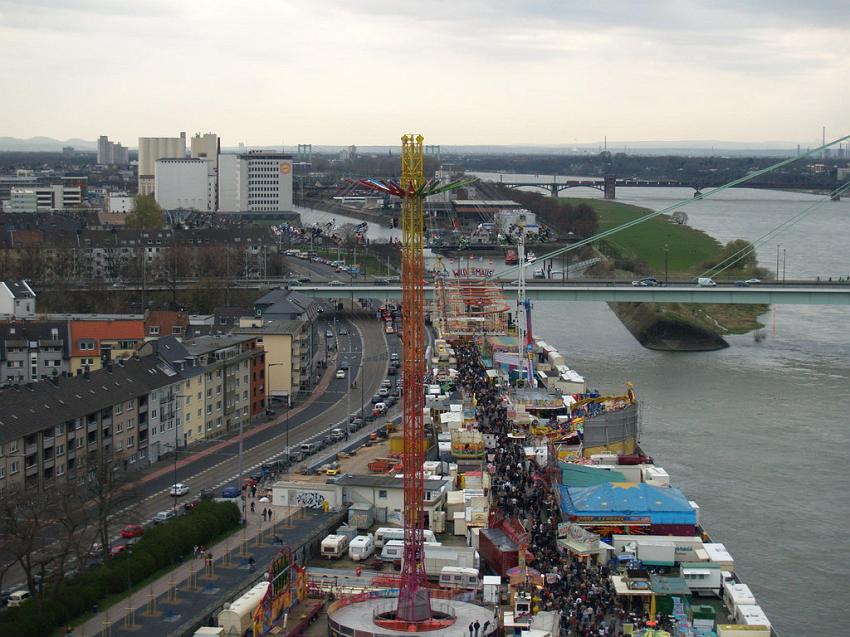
(680, 217)
(24, 515)
(109, 492)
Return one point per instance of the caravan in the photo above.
(393, 551)
(459, 577)
(334, 546)
(387, 533)
(361, 547)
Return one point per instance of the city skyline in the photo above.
(465, 73)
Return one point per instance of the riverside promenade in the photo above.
(192, 594)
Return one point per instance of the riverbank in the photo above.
(665, 249)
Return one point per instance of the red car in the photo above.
(119, 549)
(132, 530)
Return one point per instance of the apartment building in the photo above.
(255, 182)
(55, 431)
(228, 363)
(33, 350)
(289, 366)
(96, 341)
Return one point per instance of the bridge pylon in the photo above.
(610, 187)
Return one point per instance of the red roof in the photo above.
(106, 330)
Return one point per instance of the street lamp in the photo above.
(176, 428)
(666, 253)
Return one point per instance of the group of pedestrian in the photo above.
(580, 592)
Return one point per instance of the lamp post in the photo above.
(176, 434)
(666, 253)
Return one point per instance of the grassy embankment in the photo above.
(640, 250)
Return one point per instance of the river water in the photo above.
(757, 434)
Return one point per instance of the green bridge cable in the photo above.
(743, 252)
(681, 204)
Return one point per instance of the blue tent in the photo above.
(628, 500)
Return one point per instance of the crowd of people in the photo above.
(582, 594)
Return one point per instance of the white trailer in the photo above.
(751, 615)
(361, 547)
(235, 619)
(438, 557)
(460, 577)
(385, 534)
(334, 546)
(735, 594)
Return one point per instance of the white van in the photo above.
(334, 546)
(706, 282)
(18, 597)
(384, 534)
(361, 547)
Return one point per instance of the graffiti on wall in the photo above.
(311, 499)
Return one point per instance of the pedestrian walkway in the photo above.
(194, 591)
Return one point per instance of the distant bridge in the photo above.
(609, 185)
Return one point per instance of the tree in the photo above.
(109, 492)
(680, 217)
(146, 215)
(24, 515)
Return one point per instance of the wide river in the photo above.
(757, 434)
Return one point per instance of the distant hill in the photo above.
(44, 144)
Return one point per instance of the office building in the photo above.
(183, 184)
(45, 198)
(153, 148)
(255, 182)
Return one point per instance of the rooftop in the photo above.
(384, 482)
(32, 408)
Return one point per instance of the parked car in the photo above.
(178, 489)
(231, 492)
(392, 371)
(340, 373)
(337, 434)
(377, 398)
(119, 549)
(390, 401)
(329, 333)
(132, 530)
(17, 598)
(343, 331)
(164, 516)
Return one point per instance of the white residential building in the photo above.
(255, 182)
(153, 148)
(183, 183)
(17, 299)
(120, 203)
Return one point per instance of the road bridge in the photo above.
(800, 294)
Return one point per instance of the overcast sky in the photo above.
(460, 71)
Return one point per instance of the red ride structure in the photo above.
(413, 612)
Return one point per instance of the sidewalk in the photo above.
(192, 593)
